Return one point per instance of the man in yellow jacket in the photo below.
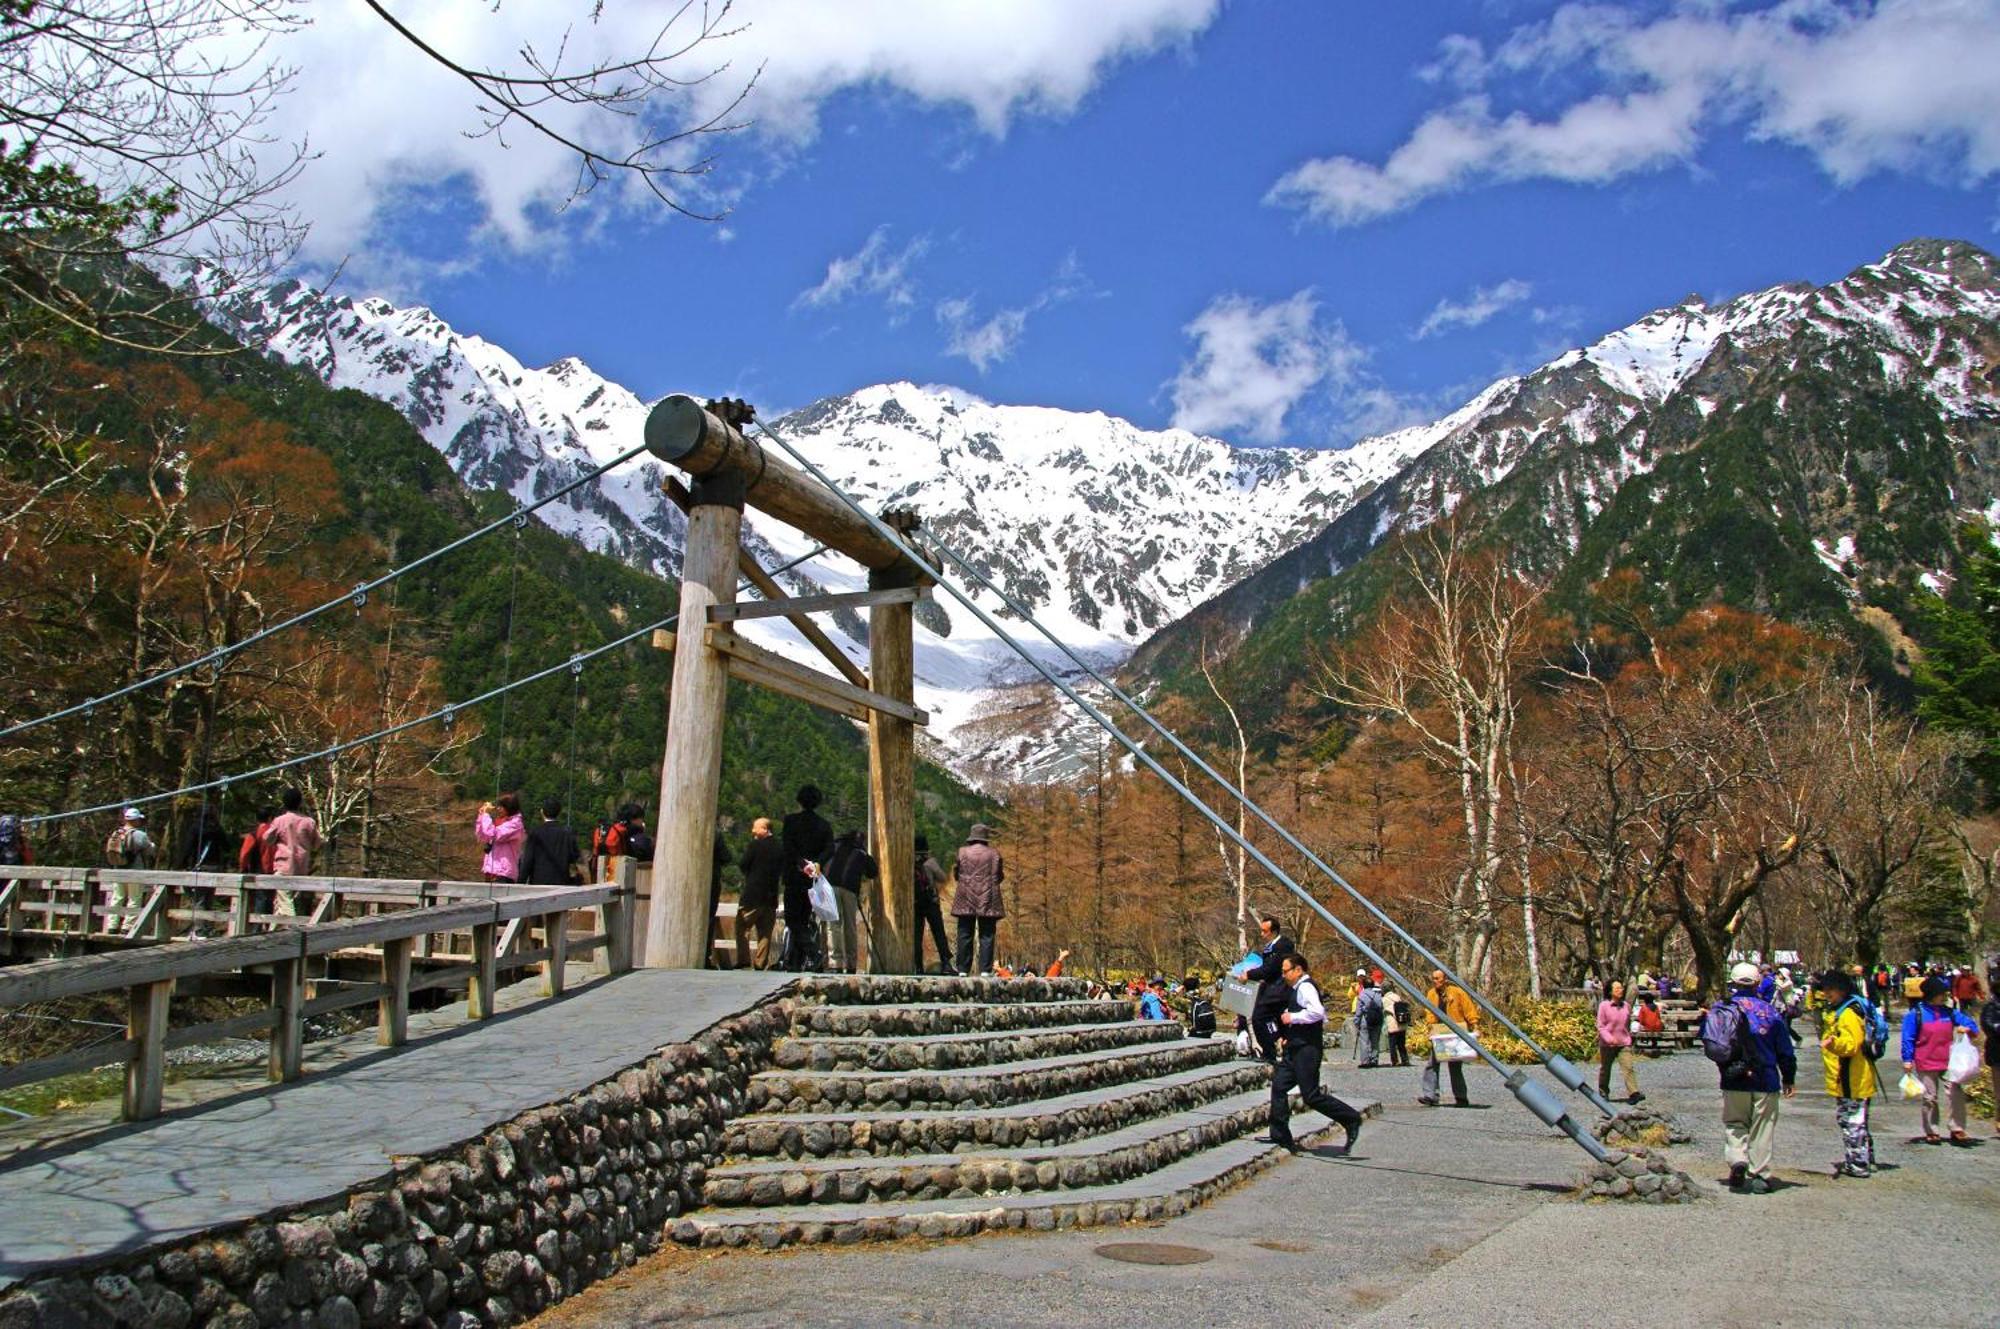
(1451, 999)
(1850, 1075)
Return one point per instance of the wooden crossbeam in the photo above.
(832, 693)
(815, 604)
(766, 669)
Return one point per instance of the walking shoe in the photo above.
(1288, 1144)
(1850, 1170)
(1758, 1186)
(1428, 1102)
(1353, 1134)
(1461, 1102)
(1635, 1097)
(1960, 1138)
(1737, 1173)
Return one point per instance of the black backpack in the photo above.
(11, 854)
(1201, 1017)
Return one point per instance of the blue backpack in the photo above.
(1729, 1041)
(1874, 1026)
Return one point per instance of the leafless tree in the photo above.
(1445, 658)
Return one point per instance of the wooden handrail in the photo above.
(147, 974)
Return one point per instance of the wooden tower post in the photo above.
(691, 772)
(891, 902)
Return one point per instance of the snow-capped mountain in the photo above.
(1109, 532)
(1872, 405)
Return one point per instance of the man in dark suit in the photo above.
(1273, 994)
(807, 838)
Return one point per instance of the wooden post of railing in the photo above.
(485, 975)
(288, 1025)
(239, 908)
(392, 1018)
(618, 915)
(554, 973)
(146, 1025)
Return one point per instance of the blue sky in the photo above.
(1273, 220)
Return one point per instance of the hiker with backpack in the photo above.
(14, 850)
(1928, 1033)
(1746, 1038)
(1396, 1013)
(847, 867)
(127, 847)
(1616, 1022)
(1850, 1040)
(1367, 1022)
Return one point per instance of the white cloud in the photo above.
(1484, 303)
(874, 269)
(1253, 363)
(986, 342)
(1899, 85)
(386, 122)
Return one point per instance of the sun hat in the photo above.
(1744, 975)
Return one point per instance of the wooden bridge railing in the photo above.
(498, 921)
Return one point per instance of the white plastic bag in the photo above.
(1963, 1067)
(820, 896)
(1912, 1087)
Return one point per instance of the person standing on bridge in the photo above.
(808, 839)
(549, 854)
(975, 901)
(930, 913)
(847, 867)
(293, 838)
(502, 830)
(762, 865)
(1302, 1032)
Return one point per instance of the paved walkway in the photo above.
(270, 1148)
(1444, 1218)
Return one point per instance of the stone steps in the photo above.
(794, 1092)
(889, 1132)
(936, 1019)
(944, 1052)
(1163, 1193)
(1087, 1161)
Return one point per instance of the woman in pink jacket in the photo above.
(1614, 1042)
(502, 831)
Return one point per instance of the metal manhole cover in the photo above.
(1153, 1252)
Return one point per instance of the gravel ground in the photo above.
(1445, 1217)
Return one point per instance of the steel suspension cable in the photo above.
(356, 597)
(446, 714)
(1530, 1094)
(1559, 1066)
(507, 660)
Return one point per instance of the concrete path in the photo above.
(1445, 1217)
(271, 1148)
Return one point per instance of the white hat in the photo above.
(133, 814)
(1744, 975)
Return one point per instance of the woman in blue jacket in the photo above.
(1928, 1031)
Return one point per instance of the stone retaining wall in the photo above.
(487, 1233)
(976, 1087)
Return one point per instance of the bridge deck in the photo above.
(276, 1148)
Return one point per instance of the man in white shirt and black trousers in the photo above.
(1301, 1027)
